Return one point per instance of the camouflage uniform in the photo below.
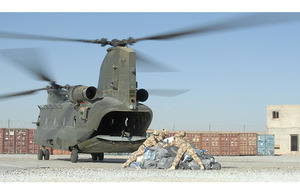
(183, 147)
(151, 141)
(163, 135)
(185, 138)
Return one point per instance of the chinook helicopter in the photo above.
(112, 117)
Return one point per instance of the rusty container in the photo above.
(60, 152)
(1, 141)
(14, 141)
(57, 152)
(18, 141)
(248, 144)
(32, 147)
(229, 144)
(196, 140)
(211, 142)
(21, 141)
(9, 141)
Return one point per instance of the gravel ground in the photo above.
(155, 175)
(235, 169)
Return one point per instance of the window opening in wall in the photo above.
(294, 143)
(275, 114)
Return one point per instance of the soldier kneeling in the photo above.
(149, 142)
(183, 147)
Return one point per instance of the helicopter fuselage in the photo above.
(109, 119)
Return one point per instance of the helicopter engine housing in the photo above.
(142, 95)
(81, 93)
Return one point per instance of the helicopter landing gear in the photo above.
(43, 153)
(40, 154)
(97, 156)
(74, 155)
(46, 155)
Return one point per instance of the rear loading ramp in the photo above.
(111, 144)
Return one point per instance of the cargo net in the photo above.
(159, 158)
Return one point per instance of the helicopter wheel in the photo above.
(100, 156)
(97, 156)
(74, 156)
(46, 155)
(94, 156)
(40, 154)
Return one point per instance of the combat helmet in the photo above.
(155, 132)
(165, 131)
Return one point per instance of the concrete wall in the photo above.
(287, 124)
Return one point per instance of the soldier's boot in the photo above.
(126, 164)
(172, 167)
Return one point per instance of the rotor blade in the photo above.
(167, 92)
(21, 93)
(247, 21)
(30, 59)
(13, 35)
(146, 64)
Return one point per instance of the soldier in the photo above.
(149, 142)
(163, 135)
(183, 147)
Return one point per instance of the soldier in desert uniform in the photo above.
(183, 146)
(149, 142)
(163, 135)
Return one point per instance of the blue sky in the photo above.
(232, 75)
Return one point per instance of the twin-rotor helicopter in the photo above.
(109, 118)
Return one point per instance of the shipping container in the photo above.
(211, 143)
(224, 144)
(265, 144)
(9, 141)
(229, 144)
(1, 141)
(247, 144)
(18, 141)
(195, 139)
(60, 152)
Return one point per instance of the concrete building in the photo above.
(284, 122)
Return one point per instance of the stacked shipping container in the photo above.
(20, 141)
(226, 144)
(223, 144)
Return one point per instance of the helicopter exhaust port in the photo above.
(81, 93)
